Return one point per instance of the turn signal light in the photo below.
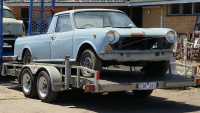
(89, 88)
(107, 48)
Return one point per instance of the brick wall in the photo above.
(84, 7)
(17, 10)
(151, 20)
(181, 24)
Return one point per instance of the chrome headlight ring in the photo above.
(112, 37)
(171, 36)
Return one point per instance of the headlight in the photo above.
(112, 37)
(171, 36)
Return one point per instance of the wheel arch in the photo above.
(23, 52)
(54, 74)
(83, 47)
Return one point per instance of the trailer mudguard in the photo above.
(54, 74)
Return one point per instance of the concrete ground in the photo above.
(12, 100)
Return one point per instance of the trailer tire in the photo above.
(28, 83)
(142, 93)
(158, 68)
(44, 89)
(27, 58)
(90, 60)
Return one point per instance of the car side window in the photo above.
(63, 24)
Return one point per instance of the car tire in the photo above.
(142, 93)
(90, 60)
(28, 83)
(156, 68)
(44, 90)
(27, 58)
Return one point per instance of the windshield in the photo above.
(7, 14)
(100, 19)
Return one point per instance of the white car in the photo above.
(12, 28)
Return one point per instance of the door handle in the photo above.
(53, 37)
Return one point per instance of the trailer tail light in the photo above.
(195, 70)
(98, 73)
(89, 88)
(198, 82)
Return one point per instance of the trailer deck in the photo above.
(122, 81)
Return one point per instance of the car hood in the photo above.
(12, 26)
(144, 32)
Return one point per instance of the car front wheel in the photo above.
(27, 59)
(90, 60)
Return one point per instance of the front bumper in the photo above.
(136, 55)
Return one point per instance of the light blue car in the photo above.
(97, 38)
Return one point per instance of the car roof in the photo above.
(5, 7)
(82, 10)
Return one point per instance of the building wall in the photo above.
(151, 20)
(17, 10)
(181, 24)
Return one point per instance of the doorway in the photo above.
(135, 14)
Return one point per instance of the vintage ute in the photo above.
(97, 38)
(12, 28)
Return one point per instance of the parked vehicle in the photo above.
(95, 38)
(12, 28)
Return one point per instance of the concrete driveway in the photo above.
(12, 100)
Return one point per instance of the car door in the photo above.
(61, 40)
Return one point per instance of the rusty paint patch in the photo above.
(137, 34)
(108, 48)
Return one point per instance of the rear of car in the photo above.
(12, 28)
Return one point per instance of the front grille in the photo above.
(141, 43)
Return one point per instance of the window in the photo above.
(184, 9)
(63, 24)
(187, 8)
(101, 19)
(175, 9)
(197, 8)
(7, 14)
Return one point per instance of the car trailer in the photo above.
(46, 80)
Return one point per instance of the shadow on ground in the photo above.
(113, 102)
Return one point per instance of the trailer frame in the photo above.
(61, 78)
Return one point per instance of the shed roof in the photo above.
(98, 2)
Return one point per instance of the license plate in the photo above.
(147, 86)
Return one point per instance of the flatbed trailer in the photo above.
(45, 80)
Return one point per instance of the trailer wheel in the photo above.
(142, 93)
(28, 83)
(27, 59)
(158, 68)
(91, 61)
(45, 92)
